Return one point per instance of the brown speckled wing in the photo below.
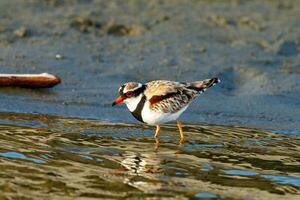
(161, 87)
(168, 96)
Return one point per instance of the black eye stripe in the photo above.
(121, 89)
(139, 90)
(135, 93)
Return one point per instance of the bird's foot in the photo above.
(181, 141)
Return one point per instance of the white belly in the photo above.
(155, 118)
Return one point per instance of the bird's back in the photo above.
(170, 96)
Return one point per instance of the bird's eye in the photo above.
(129, 94)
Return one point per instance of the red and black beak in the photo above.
(118, 100)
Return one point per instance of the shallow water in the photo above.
(45, 157)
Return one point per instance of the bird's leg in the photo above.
(157, 131)
(179, 125)
(156, 136)
(157, 143)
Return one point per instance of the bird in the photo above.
(161, 101)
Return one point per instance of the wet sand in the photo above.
(94, 46)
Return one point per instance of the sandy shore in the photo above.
(94, 46)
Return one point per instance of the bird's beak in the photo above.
(117, 101)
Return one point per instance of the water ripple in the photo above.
(57, 158)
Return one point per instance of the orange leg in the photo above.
(179, 125)
(157, 143)
(156, 136)
(157, 131)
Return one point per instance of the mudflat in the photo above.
(94, 46)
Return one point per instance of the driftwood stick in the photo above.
(43, 80)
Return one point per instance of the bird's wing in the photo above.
(168, 96)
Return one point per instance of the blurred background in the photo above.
(95, 46)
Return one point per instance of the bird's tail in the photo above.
(201, 86)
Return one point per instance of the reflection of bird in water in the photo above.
(161, 101)
(142, 171)
(140, 164)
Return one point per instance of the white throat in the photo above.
(133, 102)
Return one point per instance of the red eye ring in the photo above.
(129, 94)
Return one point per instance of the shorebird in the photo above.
(161, 101)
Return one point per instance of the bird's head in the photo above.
(129, 93)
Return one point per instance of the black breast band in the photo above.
(137, 113)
